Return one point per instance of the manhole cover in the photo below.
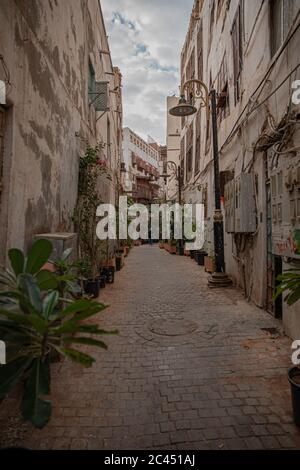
(172, 327)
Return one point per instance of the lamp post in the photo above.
(178, 174)
(219, 278)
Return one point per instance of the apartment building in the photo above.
(248, 51)
(141, 162)
(62, 92)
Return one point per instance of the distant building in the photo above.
(141, 162)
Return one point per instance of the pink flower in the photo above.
(101, 162)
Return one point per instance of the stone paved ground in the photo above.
(192, 368)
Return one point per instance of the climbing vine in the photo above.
(91, 169)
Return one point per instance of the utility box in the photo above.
(240, 210)
(60, 242)
(285, 200)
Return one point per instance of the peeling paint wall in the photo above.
(47, 46)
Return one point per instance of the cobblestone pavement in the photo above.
(192, 368)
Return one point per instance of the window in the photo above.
(189, 152)
(190, 73)
(219, 8)
(182, 154)
(281, 21)
(237, 34)
(2, 129)
(200, 52)
(222, 88)
(198, 141)
(211, 24)
(108, 141)
(208, 124)
(91, 83)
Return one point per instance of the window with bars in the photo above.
(91, 83)
(200, 52)
(2, 129)
(198, 141)
(223, 91)
(219, 8)
(208, 124)
(190, 74)
(237, 34)
(211, 23)
(182, 154)
(189, 152)
(281, 21)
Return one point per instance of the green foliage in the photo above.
(91, 169)
(290, 283)
(35, 322)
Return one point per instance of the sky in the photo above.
(146, 38)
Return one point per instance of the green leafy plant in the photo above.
(91, 169)
(36, 322)
(289, 282)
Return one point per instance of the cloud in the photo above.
(145, 38)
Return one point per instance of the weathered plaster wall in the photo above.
(247, 267)
(46, 46)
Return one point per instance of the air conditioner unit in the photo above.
(60, 242)
(245, 208)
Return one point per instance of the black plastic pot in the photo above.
(92, 287)
(295, 390)
(192, 254)
(200, 257)
(102, 281)
(109, 273)
(118, 263)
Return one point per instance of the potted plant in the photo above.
(173, 247)
(91, 169)
(36, 322)
(209, 264)
(289, 282)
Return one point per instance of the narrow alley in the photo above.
(191, 368)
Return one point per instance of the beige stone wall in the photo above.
(46, 46)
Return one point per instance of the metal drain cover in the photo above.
(172, 327)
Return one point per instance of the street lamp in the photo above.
(178, 174)
(219, 278)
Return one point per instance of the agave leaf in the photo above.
(12, 372)
(49, 303)
(38, 256)
(33, 408)
(76, 356)
(28, 284)
(46, 280)
(17, 260)
(87, 341)
(66, 254)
